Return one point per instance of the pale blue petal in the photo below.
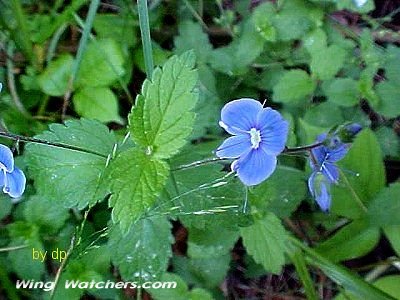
(273, 131)
(338, 153)
(311, 183)
(15, 183)
(255, 167)
(6, 158)
(323, 197)
(234, 146)
(240, 115)
(331, 172)
(2, 178)
(318, 156)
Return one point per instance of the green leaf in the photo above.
(181, 292)
(281, 193)
(388, 284)
(265, 241)
(213, 242)
(5, 206)
(54, 79)
(119, 27)
(385, 208)
(351, 241)
(350, 281)
(136, 180)
(393, 235)
(192, 37)
(162, 119)
(102, 64)
(365, 159)
(208, 273)
(342, 91)
(78, 173)
(45, 213)
(143, 253)
(294, 85)
(97, 103)
(389, 141)
(21, 260)
(324, 68)
(351, 5)
(389, 94)
(324, 115)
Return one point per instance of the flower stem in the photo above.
(17, 137)
(146, 40)
(199, 163)
(301, 148)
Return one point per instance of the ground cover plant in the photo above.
(242, 149)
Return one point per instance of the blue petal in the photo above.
(323, 197)
(337, 153)
(240, 115)
(6, 158)
(273, 129)
(318, 156)
(320, 189)
(2, 178)
(15, 183)
(234, 146)
(331, 172)
(254, 167)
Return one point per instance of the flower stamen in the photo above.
(255, 138)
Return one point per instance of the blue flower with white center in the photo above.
(12, 179)
(259, 136)
(325, 172)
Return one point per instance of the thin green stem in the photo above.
(20, 138)
(146, 40)
(22, 25)
(81, 49)
(301, 148)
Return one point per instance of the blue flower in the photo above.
(259, 136)
(12, 179)
(325, 172)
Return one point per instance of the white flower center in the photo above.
(255, 138)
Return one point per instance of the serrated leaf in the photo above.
(365, 159)
(102, 64)
(98, 103)
(54, 79)
(353, 240)
(389, 94)
(191, 36)
(68, 176)
(385, 208)
(162, 119)
(324, 68)
(136, 180)
(143, 253)
(342, 91)
(293, 85)
(265, 242)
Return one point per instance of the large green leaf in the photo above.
(54, 79)
(68, 176)
(162, 119)
(97, 103)
(265, 241)
(353, 240)
(294, 85)
(365, 160)
(102, 64)
(135, 182)
(385, 208)
(143, 253)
